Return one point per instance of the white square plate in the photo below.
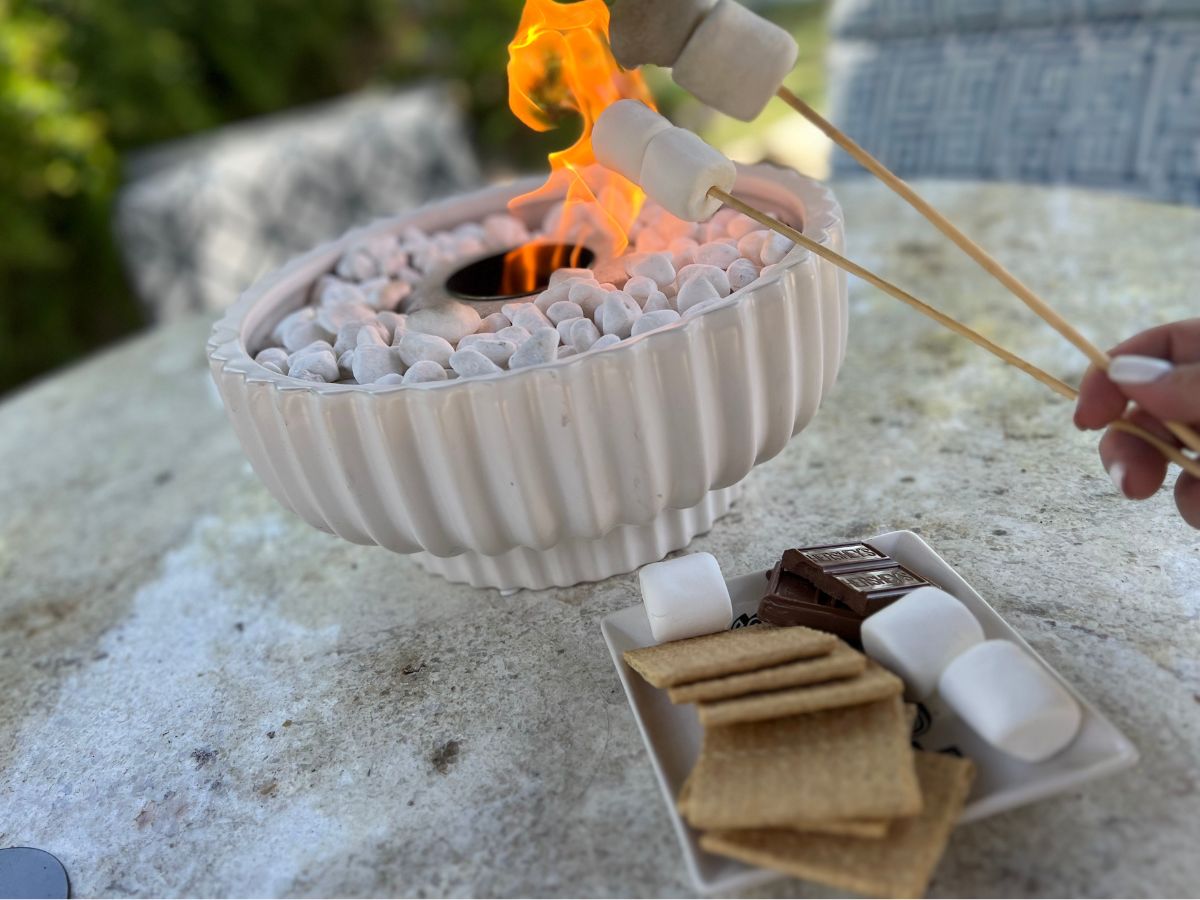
(672, 733)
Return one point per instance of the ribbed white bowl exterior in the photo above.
(495, 470)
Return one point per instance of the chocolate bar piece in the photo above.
(856, 574)
(793, 600)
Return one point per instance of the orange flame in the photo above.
(560, 63)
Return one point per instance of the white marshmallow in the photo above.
(735, 60)
(919, 635)
(1010, 700)
(621, 135)
(685, 597)
(653, 31)
(678, 171)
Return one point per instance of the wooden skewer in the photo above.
(1058, 386)
(1098, 357)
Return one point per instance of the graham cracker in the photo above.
(863, 828)
(875, 683)
(726, 652)
(851, 763)
(843, 662)
(898, 865)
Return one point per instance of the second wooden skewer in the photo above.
(1057, 385)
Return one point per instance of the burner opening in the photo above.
(484, 278)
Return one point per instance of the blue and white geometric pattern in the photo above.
(1113, 103)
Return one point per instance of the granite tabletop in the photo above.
(205, 696)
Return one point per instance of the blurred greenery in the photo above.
(84, 82)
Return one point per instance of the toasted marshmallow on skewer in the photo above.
(725, 56)
(653, 31)
(671, 164)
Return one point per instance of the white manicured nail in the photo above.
(1137, 369)
(1117, 473)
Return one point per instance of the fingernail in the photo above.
(1137, 369)
(1117, 473)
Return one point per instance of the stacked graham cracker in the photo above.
(807, 765)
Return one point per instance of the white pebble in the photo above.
(514, 333)
(304, 314)
(530, 318)
(657, 266)
(275, 355)
(346, 363)
(358, 263)
(653, 320)
(494, 347)
(750, 245)
(493, 323)
(563, 274)
(331, 289)
(319, 365)
(314, 347)
(640, 287)
(609, 340)
(470, 363)
(615, 315)
(657, 302)
(417, 347)
(701, 308)
(384, 293)
(713, 275)
(683, 251)
(391, 323)
(775, 249)
(611, 271)
(717, 253)
(370, 335)
(390, 378)
(694, 292)
(564, 328)
(303, 333)
(332, 316)
(451, 320)
(371, 363)
(563, 310)
(740, 273)
(588, 297)
(583, 334)
(540, 347)
(740, 225)
(272, 366)
(423, 371)
(564, 352)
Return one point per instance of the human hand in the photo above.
(1159, 370)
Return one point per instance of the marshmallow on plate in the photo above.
(685, 597)
(919, 635)
(1010, 700)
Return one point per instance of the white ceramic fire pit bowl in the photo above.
(572, 471)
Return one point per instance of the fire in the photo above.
(560, 64)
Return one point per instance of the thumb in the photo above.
(1164, 390)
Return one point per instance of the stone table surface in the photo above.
(204, 696)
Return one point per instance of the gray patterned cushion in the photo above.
(1110, 104)
(201, 220)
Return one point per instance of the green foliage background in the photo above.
(84, 82)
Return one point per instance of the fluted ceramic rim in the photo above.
(227, 346)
